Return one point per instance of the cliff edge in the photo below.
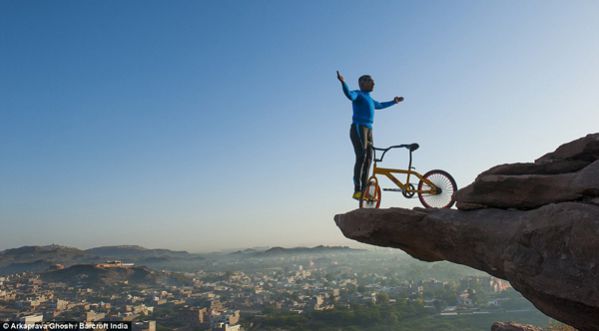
(533, 224)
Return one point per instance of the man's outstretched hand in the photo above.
(396, 99)
(340, 77)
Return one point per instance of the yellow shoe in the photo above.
(357, 195)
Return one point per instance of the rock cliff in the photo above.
(533, 224)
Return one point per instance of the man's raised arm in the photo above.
(383, 105)
(351, 95)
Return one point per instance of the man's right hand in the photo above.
(340, 77)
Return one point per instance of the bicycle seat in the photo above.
(412, 147)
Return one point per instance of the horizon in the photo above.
(352, 245)
(207, 126)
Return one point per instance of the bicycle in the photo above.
(436, 188)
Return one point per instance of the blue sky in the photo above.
(208, 125)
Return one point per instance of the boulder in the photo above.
(567, 174)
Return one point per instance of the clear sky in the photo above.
(205, 125)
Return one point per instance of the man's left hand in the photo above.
(398, 99)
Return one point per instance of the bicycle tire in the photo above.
(443, 180)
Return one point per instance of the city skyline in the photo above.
(230, 289)
(209, 126)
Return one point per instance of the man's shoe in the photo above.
(357, 195)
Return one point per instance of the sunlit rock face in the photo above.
(533, 224)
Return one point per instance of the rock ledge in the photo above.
(533, 224)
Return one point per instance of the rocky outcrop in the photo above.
(533, 224)
(568, 174)
(511, 326)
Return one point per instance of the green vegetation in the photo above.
(404, 315)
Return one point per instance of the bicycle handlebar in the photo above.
(411, 147)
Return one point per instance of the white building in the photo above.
(33, 319)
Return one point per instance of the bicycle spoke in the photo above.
(445, 187)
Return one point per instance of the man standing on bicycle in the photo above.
(361, 128)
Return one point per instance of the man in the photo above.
(361, 128)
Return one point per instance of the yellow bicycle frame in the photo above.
(387, 172)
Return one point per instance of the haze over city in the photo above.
(217, 125)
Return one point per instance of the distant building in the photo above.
(226, 321)
(114, 264)
(464, 299)
(57, 266)
(8, 296)
(144, 326)
(61, 304)
(233, 317)
(91, 316)
(336, 292)
(198, 318)
(216, 306)
(499, 285)
(33, 319)
(318, 301)
(202, 315)
(226, 327)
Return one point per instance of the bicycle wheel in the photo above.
(371, 196)
(445, 188)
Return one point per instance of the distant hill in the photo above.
(245, 251)
(275, 251)
(35, 266)
(37, 252)
(39, 258)
(34, 258)
(128, 251)
(92, 276)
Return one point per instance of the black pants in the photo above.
(361, 139)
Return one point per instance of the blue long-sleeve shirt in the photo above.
(364, 105)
